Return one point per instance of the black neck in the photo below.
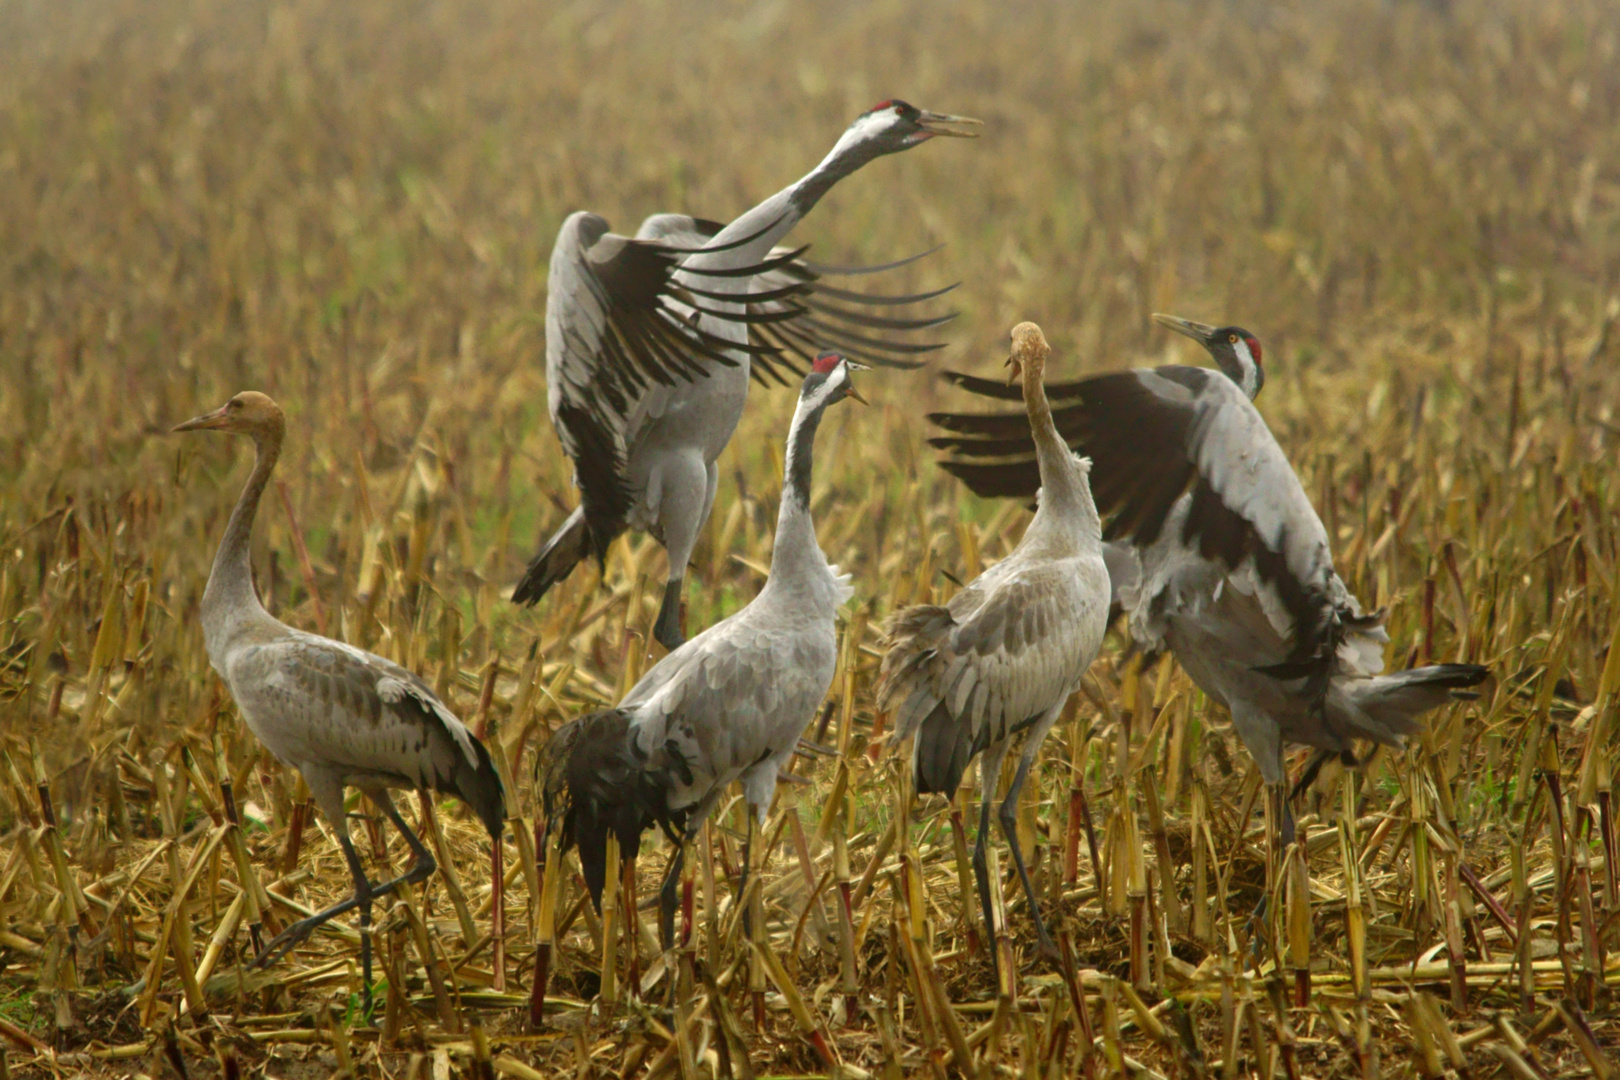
(800, 456)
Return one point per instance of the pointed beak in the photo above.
(956, 127)
(206, 422)
(849, 381)
(1198, 331)
(1017, 368)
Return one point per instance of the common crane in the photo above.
(648, 353)
(340, 716)
(999, 660)
(1217, 554)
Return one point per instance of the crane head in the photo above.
(829, 381)
(1234, 350)
(894, 125)
(1029, 353)
(248, 413)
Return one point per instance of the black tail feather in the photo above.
(596, 782)
(943, 750)
(481, 789)
(555, 561)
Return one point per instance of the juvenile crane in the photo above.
(1217, 555)
(1000, 659)
(648, 353)
(730, 704)
(340, 716)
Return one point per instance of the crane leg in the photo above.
(670, 629)
(666, 898)
(364, 890)
(1009, 829)
(981, 876)
(1282, 815)
(685, 484)
(989, 777)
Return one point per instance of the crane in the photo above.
(341, 716)
(1000, 659)
(730, 704)
(648, 351)
(1216, 553)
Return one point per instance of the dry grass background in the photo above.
(350, 206)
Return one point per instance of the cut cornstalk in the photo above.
(610, 919)
(551, 872)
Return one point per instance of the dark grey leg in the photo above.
(981, 874)
(668, 630)
(667, 896)
(1009, 829)
(364, 893)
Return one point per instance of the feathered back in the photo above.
(594, 780)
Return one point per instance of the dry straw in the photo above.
(349, 206)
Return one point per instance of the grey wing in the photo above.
(738, 699)
(794, 312)
(320, 701)
(1154, 436)
(998, 659)
(615, 324)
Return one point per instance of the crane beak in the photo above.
(210, 421)
(1198, 331)
(849, 380)
(1017, 368)
(956, 127)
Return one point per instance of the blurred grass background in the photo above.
(350, 205)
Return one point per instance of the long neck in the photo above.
(797, 553)
(1065, 484)
(230, 583)
(773, 219)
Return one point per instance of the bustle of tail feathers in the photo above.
(1429, 687)
(555, 561)
(909, 639)
(943, 745)
(481, 789)
(941, 753)
(595, 782)
(476, 783)
(1397, 701)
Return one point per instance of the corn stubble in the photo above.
(350, 206)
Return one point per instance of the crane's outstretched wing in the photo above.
(617, 323)
(1152, 434)
(794, 312)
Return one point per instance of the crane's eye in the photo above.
(235, 403)
(1231, 339)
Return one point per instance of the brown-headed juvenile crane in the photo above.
(1217, 554)
(648, 351)
(730, 704)
(340, 716)
(1001, 658)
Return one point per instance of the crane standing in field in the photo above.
(1001, 658)
(340, 716)
(728, 705)
(648, 356)
(1216, 553)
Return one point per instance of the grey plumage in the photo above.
(1001, 658)
(728, 705)
(1216, 552)
(651, 342)
(341, 716)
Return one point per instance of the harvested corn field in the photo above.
(1414, 208)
